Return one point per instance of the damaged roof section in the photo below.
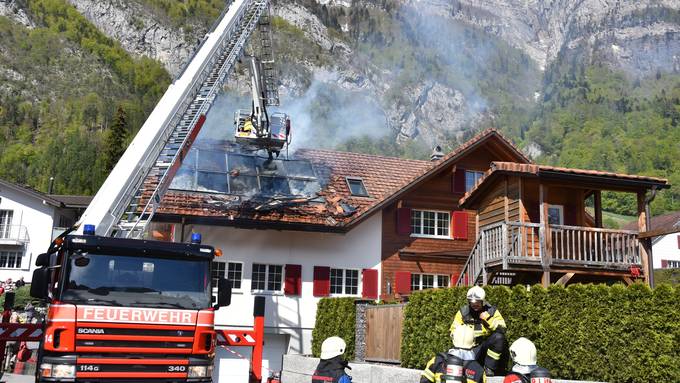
(219, 184)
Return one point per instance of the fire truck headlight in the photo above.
(49, 370)
(198, 371)
(63, 371)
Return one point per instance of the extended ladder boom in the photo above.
(123, 206)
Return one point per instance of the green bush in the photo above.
(21, 297)
(335, 317)
(582, 332)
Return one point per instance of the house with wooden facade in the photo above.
(532, 225)
(328, 223)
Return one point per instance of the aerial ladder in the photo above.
(132, 193)
(119, 214)
(257, 129)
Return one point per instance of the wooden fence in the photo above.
(383, 333)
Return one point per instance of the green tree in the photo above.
(116, 137)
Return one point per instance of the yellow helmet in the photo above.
(463, 336)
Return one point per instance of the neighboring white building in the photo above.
(29, 220)
(665, 248)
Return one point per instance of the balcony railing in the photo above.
(14, 234)
(510, 244)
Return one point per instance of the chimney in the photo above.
(437, 154)
(51, 185)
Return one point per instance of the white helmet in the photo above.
(523, 351)
(332, 347)
(463, 336)
(476, 293)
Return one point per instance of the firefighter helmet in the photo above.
(463, 336)
(523, 351)
(332, 347)
(476, 293)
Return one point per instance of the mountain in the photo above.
(584, 83)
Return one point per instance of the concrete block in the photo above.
(299, 369)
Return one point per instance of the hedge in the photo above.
(335, 317)
(21, 297)
(582, 332)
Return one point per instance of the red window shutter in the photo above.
(454, 279)
(404, 221)
(459, 181)
(293, 284)
(664, 263)
(322, 281)
(402, 282)
(459, 219)
(678, 241)
(370, 284)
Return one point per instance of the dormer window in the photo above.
(356, 187)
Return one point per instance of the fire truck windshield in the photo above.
(101, 279)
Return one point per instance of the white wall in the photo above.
(37, 217)
(666, 248)
(292, 316)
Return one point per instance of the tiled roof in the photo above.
(662, 222)
(334, 206)
(537, 170)
(385, 178)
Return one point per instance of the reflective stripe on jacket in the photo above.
(483, 328)
(434, 370)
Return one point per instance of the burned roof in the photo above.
(210, 189)
(219, 184)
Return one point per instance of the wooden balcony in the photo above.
(515, 252)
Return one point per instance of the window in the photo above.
(344, 281)
(673, 264)
(214, 171)
(235, 274)
(356, 187)
(267, 277)
(556, 215)
(471, 178)
(5, 223)
(11, 259)
(430, 223)
(217, 272)
(428, 281)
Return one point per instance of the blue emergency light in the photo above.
(88, 229)
(196, 238)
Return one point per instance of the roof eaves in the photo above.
(245, 223)
(31, 192)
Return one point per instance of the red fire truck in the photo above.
(127, 309)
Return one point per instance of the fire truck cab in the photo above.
(122, 309)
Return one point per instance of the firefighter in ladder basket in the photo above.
(489, 328)
(458, 364)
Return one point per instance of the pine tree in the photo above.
(114, 143)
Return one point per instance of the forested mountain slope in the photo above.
(588, 83)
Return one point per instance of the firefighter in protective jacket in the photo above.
(525, 369)
(458, 364)
(489, 327)
(331, 368)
